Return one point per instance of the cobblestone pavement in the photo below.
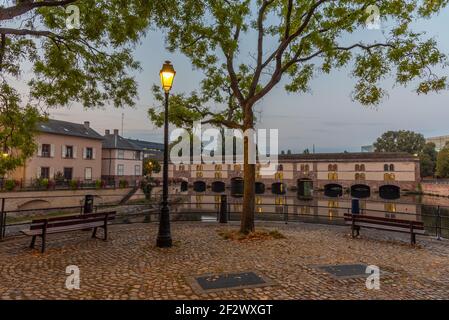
(129, 266)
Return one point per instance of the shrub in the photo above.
(74, 184)
(123, 184)
(10, 185)
(98, 184)
(44, 183)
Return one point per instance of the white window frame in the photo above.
(120, 172)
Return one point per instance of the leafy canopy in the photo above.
(400, 141)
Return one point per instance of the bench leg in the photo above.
(43, 243)
(105, 229)
(413, 238)
(33, 241)
(94, 233)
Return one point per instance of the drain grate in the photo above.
(345, 271)
(228, 281)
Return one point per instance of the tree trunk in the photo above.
(249, 175)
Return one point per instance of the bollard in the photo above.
(223, 209)
(88, 204)
(2, 220)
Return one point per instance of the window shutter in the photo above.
(52, 150)
(52, 173)
(63, 151)
(93, 153)
(84, 153)
(74, 152)
(38, 173)
(39, 150)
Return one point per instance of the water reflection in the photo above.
(321, 207)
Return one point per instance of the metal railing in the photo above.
(435, 218)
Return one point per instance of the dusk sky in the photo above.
(325, 117)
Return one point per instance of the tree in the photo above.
(86, 62)
(442, 167)
(427, 159)
(400, 141)
(295, 40)
(150, 166)
(306, 151)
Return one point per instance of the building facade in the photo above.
(65, 151)
(121, 159)
(440, 141)
(333, 173)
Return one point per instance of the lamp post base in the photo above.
(164, 237)
(164, 242)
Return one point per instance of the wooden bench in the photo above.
(405, 226)
(42, 227)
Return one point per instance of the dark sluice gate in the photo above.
(305, 188)
(237, 187)
(360, 191)
(278, 188)
(389, 192)
(199, 186)
(260, 188)
(184, 186)
(333, 190)
(218, 186)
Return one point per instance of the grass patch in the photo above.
(259, 235)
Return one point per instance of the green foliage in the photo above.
(428, 159)
(400, 141)
(150, 166)
(10, 185)
(74, 184)
(123, 183)
(442, 167)
(98, 184)
(17, 129)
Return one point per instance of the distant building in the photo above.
(66, 151)
(440, 141)
(121, 159)
(152, 150)
(369, 148)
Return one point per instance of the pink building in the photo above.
(121, 159)
(66, 150)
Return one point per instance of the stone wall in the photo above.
(437, 189)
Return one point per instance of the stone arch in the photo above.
(389, 192)
(360, 191)
(333, 190)
(199, 186)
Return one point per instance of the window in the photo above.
(357, 167)
(218, 175)
(120, 170)
(237, 167)
(121, 154)
(306, 168)
(218, 167)
(199, 167)
(390, 207)
(280, 167)
(332, 167)
(68, 152)
(279, 175)
(68, 173)
(332, 176)
(362, 167)
(182, 167)
(359, 176)
(137, 155)
(87, 173)
(137, 171)
(199, 174)
(45, 172)
(389, 176)
(386, 167)
(46, 150)
(89, 153)
(391, 167)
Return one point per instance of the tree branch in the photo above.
(25, 6)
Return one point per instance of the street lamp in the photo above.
(164, 240)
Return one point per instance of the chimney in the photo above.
(86, 124)
(116, 132)
(107, 131)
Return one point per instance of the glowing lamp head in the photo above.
(167, 75)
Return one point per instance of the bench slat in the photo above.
(386, 227)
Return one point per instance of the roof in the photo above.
(68, 129)
(146, 145)
(367, 156)
(113, 141)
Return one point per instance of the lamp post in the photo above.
(164, 240)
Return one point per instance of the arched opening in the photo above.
(278, 188)
(237, 187)
(260, 188)
(360, 191)
(333, 190)
(199, 186)
(218, 186)
(305, 188)
(389, 192)
(34, 204)
(184, 186)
